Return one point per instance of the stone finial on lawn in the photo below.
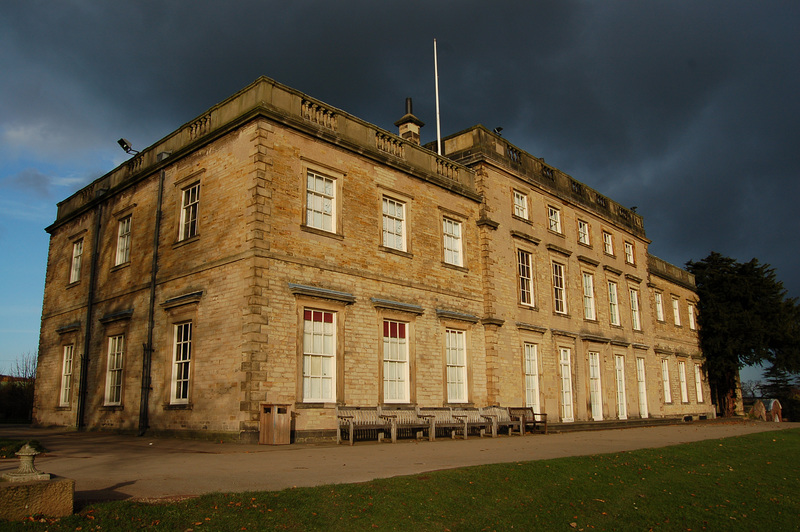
(26, 471)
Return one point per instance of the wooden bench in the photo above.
(361, 418)
(500, 417)
(442, 418)
(407, 418)
(472, 419)
(528, 417)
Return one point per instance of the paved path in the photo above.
(111, 467)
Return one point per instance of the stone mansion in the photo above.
(277, 250)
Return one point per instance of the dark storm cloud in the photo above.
(687, 110)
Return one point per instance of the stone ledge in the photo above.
(51, 498)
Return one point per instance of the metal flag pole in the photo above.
(436, 77)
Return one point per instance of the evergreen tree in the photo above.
(744, 318)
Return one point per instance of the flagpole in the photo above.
(436, 76)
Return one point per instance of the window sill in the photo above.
(120, 266)
(321, 232)
(398, 252)
(556, 233)
(309, 405)
(528, 307)
(455, 267)
(186, 241)
(112, 408)
(521, 219)
(587, 246)
(73, 284)
(178, 406)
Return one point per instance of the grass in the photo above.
(745, 483)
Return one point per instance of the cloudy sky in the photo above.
(688, 110)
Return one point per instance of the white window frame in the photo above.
(181, 363)
(531, 357)
(321, 204)
(676, 311)
(565, 366)
(636, 317)
(659, 306)
(608, 243)
(395, 361)
(456, 365)
(665, 380)
(453, 249)
(613, 303)
(583, 233)
(619, 377)
(116, 354)
(641, 382)
(123, 254)
(67, 366)
(77, 261)
(554, 219)
(190, 209)
(692, 322)
(394, 224)
(595, 387)
(319, 355)
(589, 310)
(525, 273)
(559, 288)
(698, 383)
(684, 385)
(630, 255)
(520, 205)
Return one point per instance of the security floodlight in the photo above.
(126, 145)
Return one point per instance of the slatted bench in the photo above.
(528, 417)
(408, 418)
(360, 418)
(442, 418)
(500, 418)
(471, 418)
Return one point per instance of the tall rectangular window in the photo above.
(123, 241)
(66, 375)
(452, 242)
(456, 361)
(619, 372)
(589, 311)
(520, 205)
(640, 380)
(595, 390)
(77, 259)
(565, 365)
(394, 224)
(698, 382)
(665, 380)
(608, 243)
(583, 233)
(559, 289)
(320, 202)
(116, 348)
(684, 386)
(532, 376)
(554, 219)
(319, 356)
(613, 303)
(659, 307)
(525, 269)
(181, 361)
(395, 362)
(692, 322)
(190, 203)
(676, 311)
(630, 256)
(636, 317)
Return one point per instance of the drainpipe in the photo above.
(83, 389)
(147, 348)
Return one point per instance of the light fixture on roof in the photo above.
(498, 130)
(126, 145)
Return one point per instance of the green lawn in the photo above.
(745, 483)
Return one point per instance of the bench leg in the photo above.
(432, 431)
(350, 434)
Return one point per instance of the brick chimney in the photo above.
(409, 125)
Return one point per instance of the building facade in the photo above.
(277, 250)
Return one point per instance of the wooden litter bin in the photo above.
(276, 424)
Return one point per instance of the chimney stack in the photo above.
(409, 125)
